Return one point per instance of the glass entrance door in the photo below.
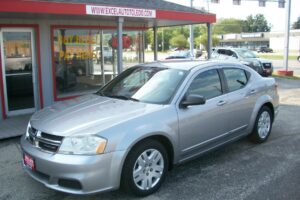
(18, 63)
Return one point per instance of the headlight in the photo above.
(83, 145)
(27, 130)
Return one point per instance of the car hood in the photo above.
(257, 59)
(87, 115)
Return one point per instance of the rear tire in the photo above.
(263, 125)
(145, 168)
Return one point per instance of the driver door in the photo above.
(201, 126)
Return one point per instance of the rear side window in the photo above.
(222, 51)
(227, 52)
(236, 78)
(206, 84)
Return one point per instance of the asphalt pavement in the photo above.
(241, 170)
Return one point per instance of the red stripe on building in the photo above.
(42, 7)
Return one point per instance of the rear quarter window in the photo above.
(236, 78)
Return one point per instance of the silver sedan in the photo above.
(147, 119)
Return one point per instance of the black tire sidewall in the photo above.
(255, 137)
(127, 182)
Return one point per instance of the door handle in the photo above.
(221, 103)
(253, 91)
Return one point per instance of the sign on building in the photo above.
(120, 11)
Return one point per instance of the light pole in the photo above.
(162, 40)
(287, 34)
(192, 36)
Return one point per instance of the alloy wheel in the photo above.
(148, 169)
(264, 124)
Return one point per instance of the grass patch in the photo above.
(286, 77)
(276, 57)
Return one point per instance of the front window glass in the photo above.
(206, 84)
(236, 78)
(244, 53)
(145, 84)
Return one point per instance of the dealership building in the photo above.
(56, 50)
(274, 40)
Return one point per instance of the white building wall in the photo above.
(278, 43)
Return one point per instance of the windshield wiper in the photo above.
(122, 97)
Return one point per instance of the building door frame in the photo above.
(34, 70)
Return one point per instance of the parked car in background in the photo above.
(143, 122)
(264, 49)
(180, 54)
(262, 66)
(184, 54)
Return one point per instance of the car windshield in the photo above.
(145, 84)
(244, 53)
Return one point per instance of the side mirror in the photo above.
(192, 99)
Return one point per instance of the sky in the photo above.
(225, 9)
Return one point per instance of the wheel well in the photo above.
(166, 143)
(270, 105)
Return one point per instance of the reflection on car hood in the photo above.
(90, 111)
(257, 59)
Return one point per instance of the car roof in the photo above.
(231, 48)
(187, 64)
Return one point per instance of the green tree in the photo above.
(179, 41)
(203, 40)
(164, 34)
(148, 38)
(257, 23)
(181, 30)
(229, 25)
(296, 24)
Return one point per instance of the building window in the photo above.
(78, 66)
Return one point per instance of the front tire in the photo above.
(145, 168)
(263, 125)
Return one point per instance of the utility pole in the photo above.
(162, 40)
(287, 34)
(192, 36)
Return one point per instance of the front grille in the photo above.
(70, 183)
(43, 140)
(267, 65)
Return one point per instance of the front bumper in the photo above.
(267, 72)
(76, 174)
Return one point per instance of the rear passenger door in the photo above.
(240, 101)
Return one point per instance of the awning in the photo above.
(148, 13)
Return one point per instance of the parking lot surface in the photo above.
(240, 170)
